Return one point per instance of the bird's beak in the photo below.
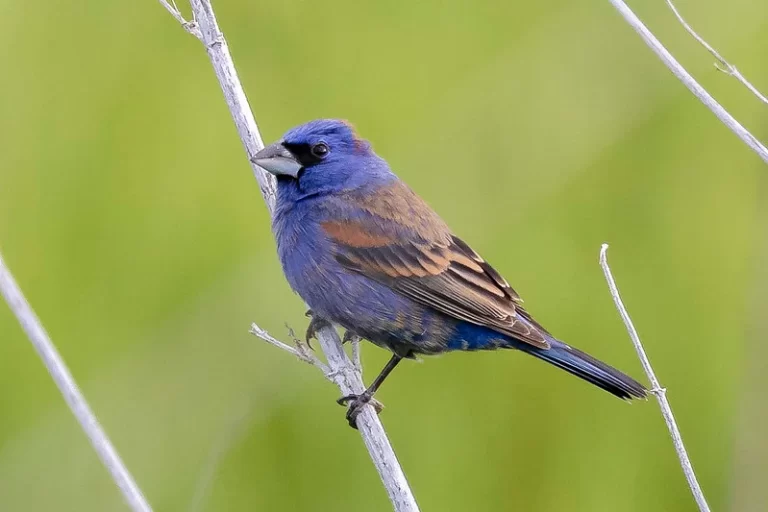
(277, 160)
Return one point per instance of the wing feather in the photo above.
(415, 254)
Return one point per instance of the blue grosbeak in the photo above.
(365, 252)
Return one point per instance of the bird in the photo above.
(366, 253)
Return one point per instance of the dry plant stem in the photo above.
(340, 368)
(680, 72)
(722, 64)
(301, 351)
(356, 354)
(189, 26)
(659, 392)
(347, 375)
(350, 381)
(206, 29)
(68, 387)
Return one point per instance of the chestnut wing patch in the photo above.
(441, 272)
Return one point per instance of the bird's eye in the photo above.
(320, 149)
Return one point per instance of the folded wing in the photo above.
(413, 252)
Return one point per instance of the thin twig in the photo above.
(355, 341)
(189, 26)
(347, 375)
(722, 64)
(658, 391)
(304, 353)
(264, 335)
(300, 350)
(341, 369)
(680, 72)
(72, 394)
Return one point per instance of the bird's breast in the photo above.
(348, 298)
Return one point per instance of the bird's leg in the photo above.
(356, 402)
(315, 324)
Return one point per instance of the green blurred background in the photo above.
(539, 130)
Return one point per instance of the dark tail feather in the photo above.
(590, 369)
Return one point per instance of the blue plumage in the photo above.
(365, 252)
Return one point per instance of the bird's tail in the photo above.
(590, 369)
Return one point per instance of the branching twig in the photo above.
(189, 26)
(680, 72)
(659, 392)
(748, 139)
(347, 375)
(722, 64)
(301, 351)
(68, 387)
(339, 368)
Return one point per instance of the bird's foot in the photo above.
(355, 405)
(315, 325)
(350, 336)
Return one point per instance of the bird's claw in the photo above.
(315, 325)
(355, 405)
(350, 336)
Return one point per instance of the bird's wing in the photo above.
(396, 239)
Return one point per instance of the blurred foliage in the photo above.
(538, 129)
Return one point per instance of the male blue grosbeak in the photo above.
(365, 252)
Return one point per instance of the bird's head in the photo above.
(322, 154)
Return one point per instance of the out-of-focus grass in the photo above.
(538, 130)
